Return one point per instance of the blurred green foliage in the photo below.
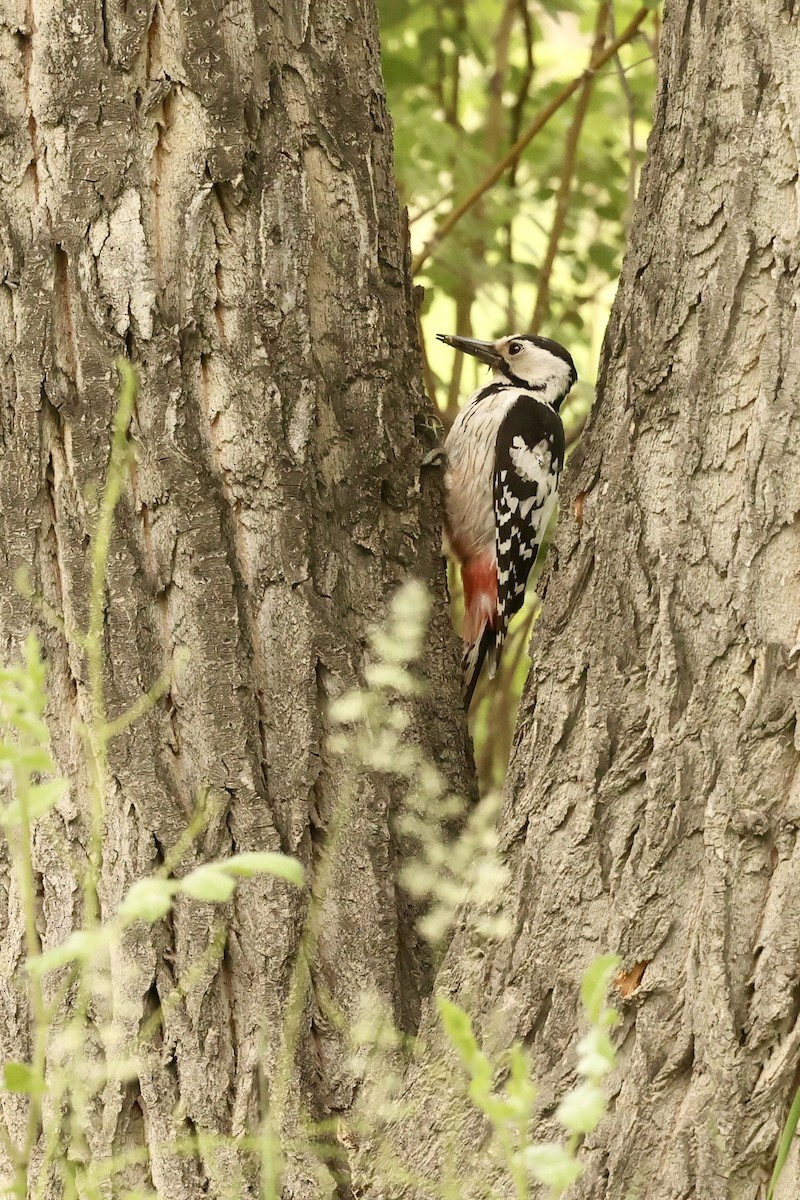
(541, 249)
(464, 78)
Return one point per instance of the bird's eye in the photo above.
(514, 347)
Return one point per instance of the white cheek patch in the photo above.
(544, 372)
(534, 463)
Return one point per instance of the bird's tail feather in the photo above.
(474, 657)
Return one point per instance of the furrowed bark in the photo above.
(653, 800)
(209, 190)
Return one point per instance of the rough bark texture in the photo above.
(209, 189)
(653, 802)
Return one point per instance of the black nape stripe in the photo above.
(491, 389)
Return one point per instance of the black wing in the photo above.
(529, 455)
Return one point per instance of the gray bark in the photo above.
(653, 800)
(209, 188)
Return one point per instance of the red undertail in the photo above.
(479, 576)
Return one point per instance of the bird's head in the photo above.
(536, 363)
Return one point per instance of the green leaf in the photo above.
(44, 796)
(79, 946)
(785, 1143)
(147, 900)
(32, 726)
(265, 862)
(520, 1088)
(582, 1109)
(22, 582)
(394, 12)
(458, 1027)
(209, 883)
(384, 676)
(604, 257)
(552, 1164)
(595, 984)
(596, 1055)
(350, 707)
(41, 798)
(498, 1110)
(21, 1077)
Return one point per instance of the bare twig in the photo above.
(631, 109)
(455, 215)
(515, 124)
(567, 172)
(465, 290)
(502, 38)
(440, 63)
(429, 208)
(518, 108)
(455, 80)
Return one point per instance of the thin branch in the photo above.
(429, 208)
(502, 38)
(518, 109)
(632, 66)
(564, 191)
(515, 124)
(440, 63)
(465, 290)
(530, 133)
(631, 111)
(655, 40)
(455, 80)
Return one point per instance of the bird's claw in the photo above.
(435, 457)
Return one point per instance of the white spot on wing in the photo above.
(534, 463)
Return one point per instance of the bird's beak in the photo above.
(485, 351)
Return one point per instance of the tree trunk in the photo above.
(209, 189)
(653, 801)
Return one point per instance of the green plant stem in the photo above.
(9, 1147)
(515, 1169)
(143, 705)
(508, 159)
(298, 992)
(33, 949)
(214, 950)
(95, 729)
(96, 733)
(784, 1146)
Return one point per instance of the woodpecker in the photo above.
(503, 459)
